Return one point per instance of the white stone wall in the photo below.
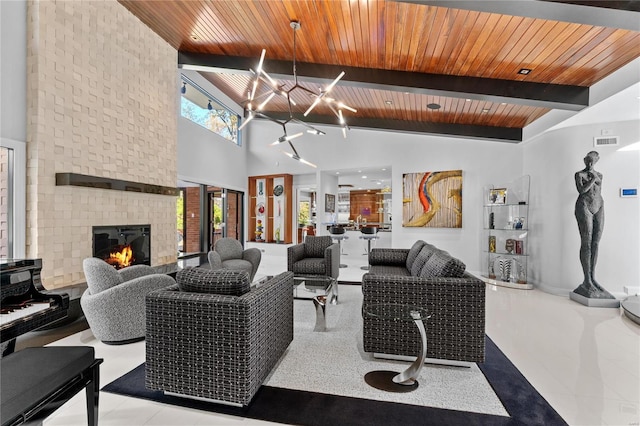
(101, 101)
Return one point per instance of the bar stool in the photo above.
(369, 233)
(338, 234)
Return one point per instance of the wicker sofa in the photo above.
(213, 336)
(431, 278)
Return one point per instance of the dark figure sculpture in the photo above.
(590, 216)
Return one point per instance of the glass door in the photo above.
(234, 214)
(226, 212)
(216, 215)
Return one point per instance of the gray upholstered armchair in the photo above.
(213, 336)
(316, 256)
(228, 253)
(113, 302)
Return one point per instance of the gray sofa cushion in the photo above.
(315, 246)
(388, 270)
(442, 264)
(413, 253)
(425, 253)
(220, 281)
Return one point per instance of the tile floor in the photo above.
(584, 361)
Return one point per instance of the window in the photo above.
(6, 202)
(200, 107)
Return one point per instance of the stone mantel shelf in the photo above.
(76, 179)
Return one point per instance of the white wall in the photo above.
(205, 157)
(551, 160)
(482, 163)
(13, 70)
(13, 108)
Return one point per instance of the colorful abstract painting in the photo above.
(432, 199)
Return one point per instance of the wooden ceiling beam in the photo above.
(541, 95)
(488, 133)
(612, 14)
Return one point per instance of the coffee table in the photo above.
(310, 286)
(392, 381)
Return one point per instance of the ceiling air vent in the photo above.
(606, 140)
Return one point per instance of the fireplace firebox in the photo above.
(123, 245)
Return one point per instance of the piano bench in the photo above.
(37, 381)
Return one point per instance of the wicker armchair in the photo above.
(212, 336)
(456, 329)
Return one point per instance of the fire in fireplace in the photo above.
(123, 245)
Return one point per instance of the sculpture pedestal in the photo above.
(594, 302)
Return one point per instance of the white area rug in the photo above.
(333, 362)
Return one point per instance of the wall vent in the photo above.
(606, 140)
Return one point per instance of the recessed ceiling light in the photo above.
(364, 176)
(485, 110)
(359, 171)
(468, 100)
(388, 102)
(384, 169)
(194, 37)
(503, 103)
(337, 173)
(433, 106)
(524, 71)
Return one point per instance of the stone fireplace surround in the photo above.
(102, 101)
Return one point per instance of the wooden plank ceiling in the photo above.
(400, 56)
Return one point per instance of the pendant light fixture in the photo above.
(261, 76)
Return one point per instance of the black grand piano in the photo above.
(63, 371)
(25, 305)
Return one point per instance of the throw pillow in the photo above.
(421, 259)
(220, 281)
(413, 253)
(442, 264)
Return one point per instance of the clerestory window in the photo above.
(200, 107)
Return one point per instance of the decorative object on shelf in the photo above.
(510, 245)
(259, 230)
(277, 89)
(274, 210)
(492, 243)
(502, 268)
(506, 223)
(519, 246)
(329, 203)
(498, 196)
(278, 235)
(589, 212)
(432, 206)
(260, 186)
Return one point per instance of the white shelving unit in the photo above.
(505, 234)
